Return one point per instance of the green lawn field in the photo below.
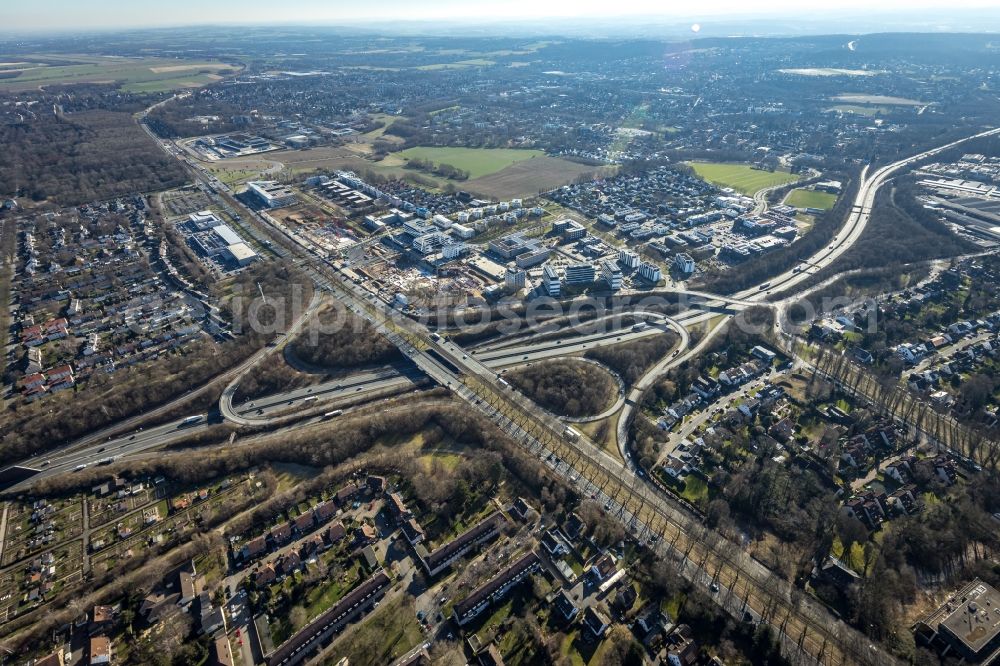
(478, 162)
(740, 177)
(135, 74)
(811, 199)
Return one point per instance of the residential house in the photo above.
(347, 493)
(682, 650)
(555, 543)
(595, 621)
(604, 567)
(336, 532)
(222, 652)
(365, 535)
(565, 606)
(495, 588)
(413, 532)
(376, 485)
(100, 650)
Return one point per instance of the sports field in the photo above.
(133, 74)
(478, 162)
(740, 177)
(811, 199)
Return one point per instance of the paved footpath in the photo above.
(3, 529)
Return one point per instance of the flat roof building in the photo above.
(650, 272)
(611, 274)
(270, 193)
(684, 263)
(241, 253)
(580, 273)
(226, 233)
(550, 282)
(968, 624)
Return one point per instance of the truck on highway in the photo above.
(106, 461)
(311, 398)
(191, 420)
(641, 326)
(764, 286)
(571, 434)
(80, 467)
(334, 413)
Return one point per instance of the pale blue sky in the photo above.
(21, 15)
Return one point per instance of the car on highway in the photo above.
(46, 463)
(80, 467)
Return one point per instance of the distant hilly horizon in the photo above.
(978, 21)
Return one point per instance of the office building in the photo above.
(569, 229)
(650, 272)
(550, 282)
(533, 257)
(628, 259)
(684, 263)
(515, 279)
(967, 626)
(611, 274)
(580, 274)
(270, 193)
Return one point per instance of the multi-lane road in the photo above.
(803, 626)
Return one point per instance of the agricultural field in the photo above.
(478, 162)
(132, 74)
(741, 177)
(855, 98)
(529, 177)
(860, 110)
(461, 64)
(811, 199)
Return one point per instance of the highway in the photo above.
(804, 627)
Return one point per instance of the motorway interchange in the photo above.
(741, 585)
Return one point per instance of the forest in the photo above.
(566, 387)
(69, 159)
(632, 359)
(335, 338)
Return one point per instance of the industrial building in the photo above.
(270, 193)
(241, 254)
(222, 241)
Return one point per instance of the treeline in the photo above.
(336, 338)
(631, 360)
(901, 231)
(77, 158)
(566, 387)
(443, 170)
(272, 375)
